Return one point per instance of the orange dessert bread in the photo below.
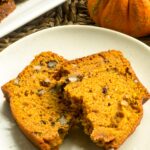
(6, 7)
(105, 90)
(36, 104)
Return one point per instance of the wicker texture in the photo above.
(71, 12)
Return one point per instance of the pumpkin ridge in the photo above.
(104, 8)
(128, 16)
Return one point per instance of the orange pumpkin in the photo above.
(128, 16)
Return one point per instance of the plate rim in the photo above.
(89, 27)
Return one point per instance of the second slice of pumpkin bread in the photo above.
(35, 103)
(106, 93)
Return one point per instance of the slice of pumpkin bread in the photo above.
(35, 103)
(105, 90)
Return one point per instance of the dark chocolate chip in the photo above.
(45, 83)
(60, 131)
(104, 90)
(120, 114)
(43, 122)
(109, 104)
(46, 141)
(128, 71)
(26, 93)
(52, 123)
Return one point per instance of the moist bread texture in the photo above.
(36, 104)
(107, 95)
(6, 7)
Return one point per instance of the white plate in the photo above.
(72, 42)
(25, 12)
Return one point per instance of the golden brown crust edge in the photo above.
(6, 8)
